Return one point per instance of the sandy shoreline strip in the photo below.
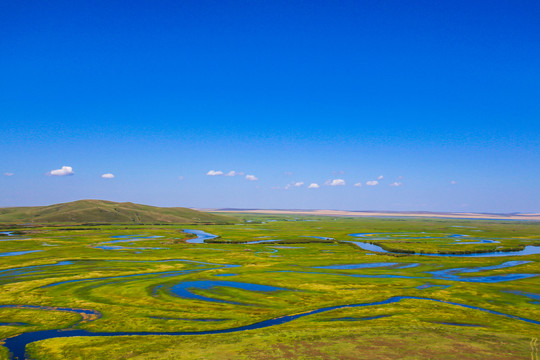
(427, 214)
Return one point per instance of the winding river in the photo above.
(201, 236)
(528, 250)
(17, 344)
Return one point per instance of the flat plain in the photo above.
(273, 286)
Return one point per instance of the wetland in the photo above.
(282, 287)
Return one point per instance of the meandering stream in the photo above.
(528, 250)
(17, 344)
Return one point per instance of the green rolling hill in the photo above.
(108, 212)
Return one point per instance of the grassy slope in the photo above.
(100, 211)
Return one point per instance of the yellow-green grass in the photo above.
(411, 329)
(424, 341)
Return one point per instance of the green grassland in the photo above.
(106, 212)
(130, 287)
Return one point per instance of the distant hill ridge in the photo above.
(108, 212)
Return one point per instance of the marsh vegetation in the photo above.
(271, 287)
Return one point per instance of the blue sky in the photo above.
(438, 98)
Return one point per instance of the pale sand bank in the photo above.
(427, 214)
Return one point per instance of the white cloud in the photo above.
(64, 171)
(336, 182)
(358, 184)
(251, 178)
(380, 177)
(396, 184)
(294, 184)
(313, 186)
(108, 176)
(214, 173)
(453, 182)
(9, 174)
(234, 173)
(372, 183)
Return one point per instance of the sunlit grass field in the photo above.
(469, 312)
